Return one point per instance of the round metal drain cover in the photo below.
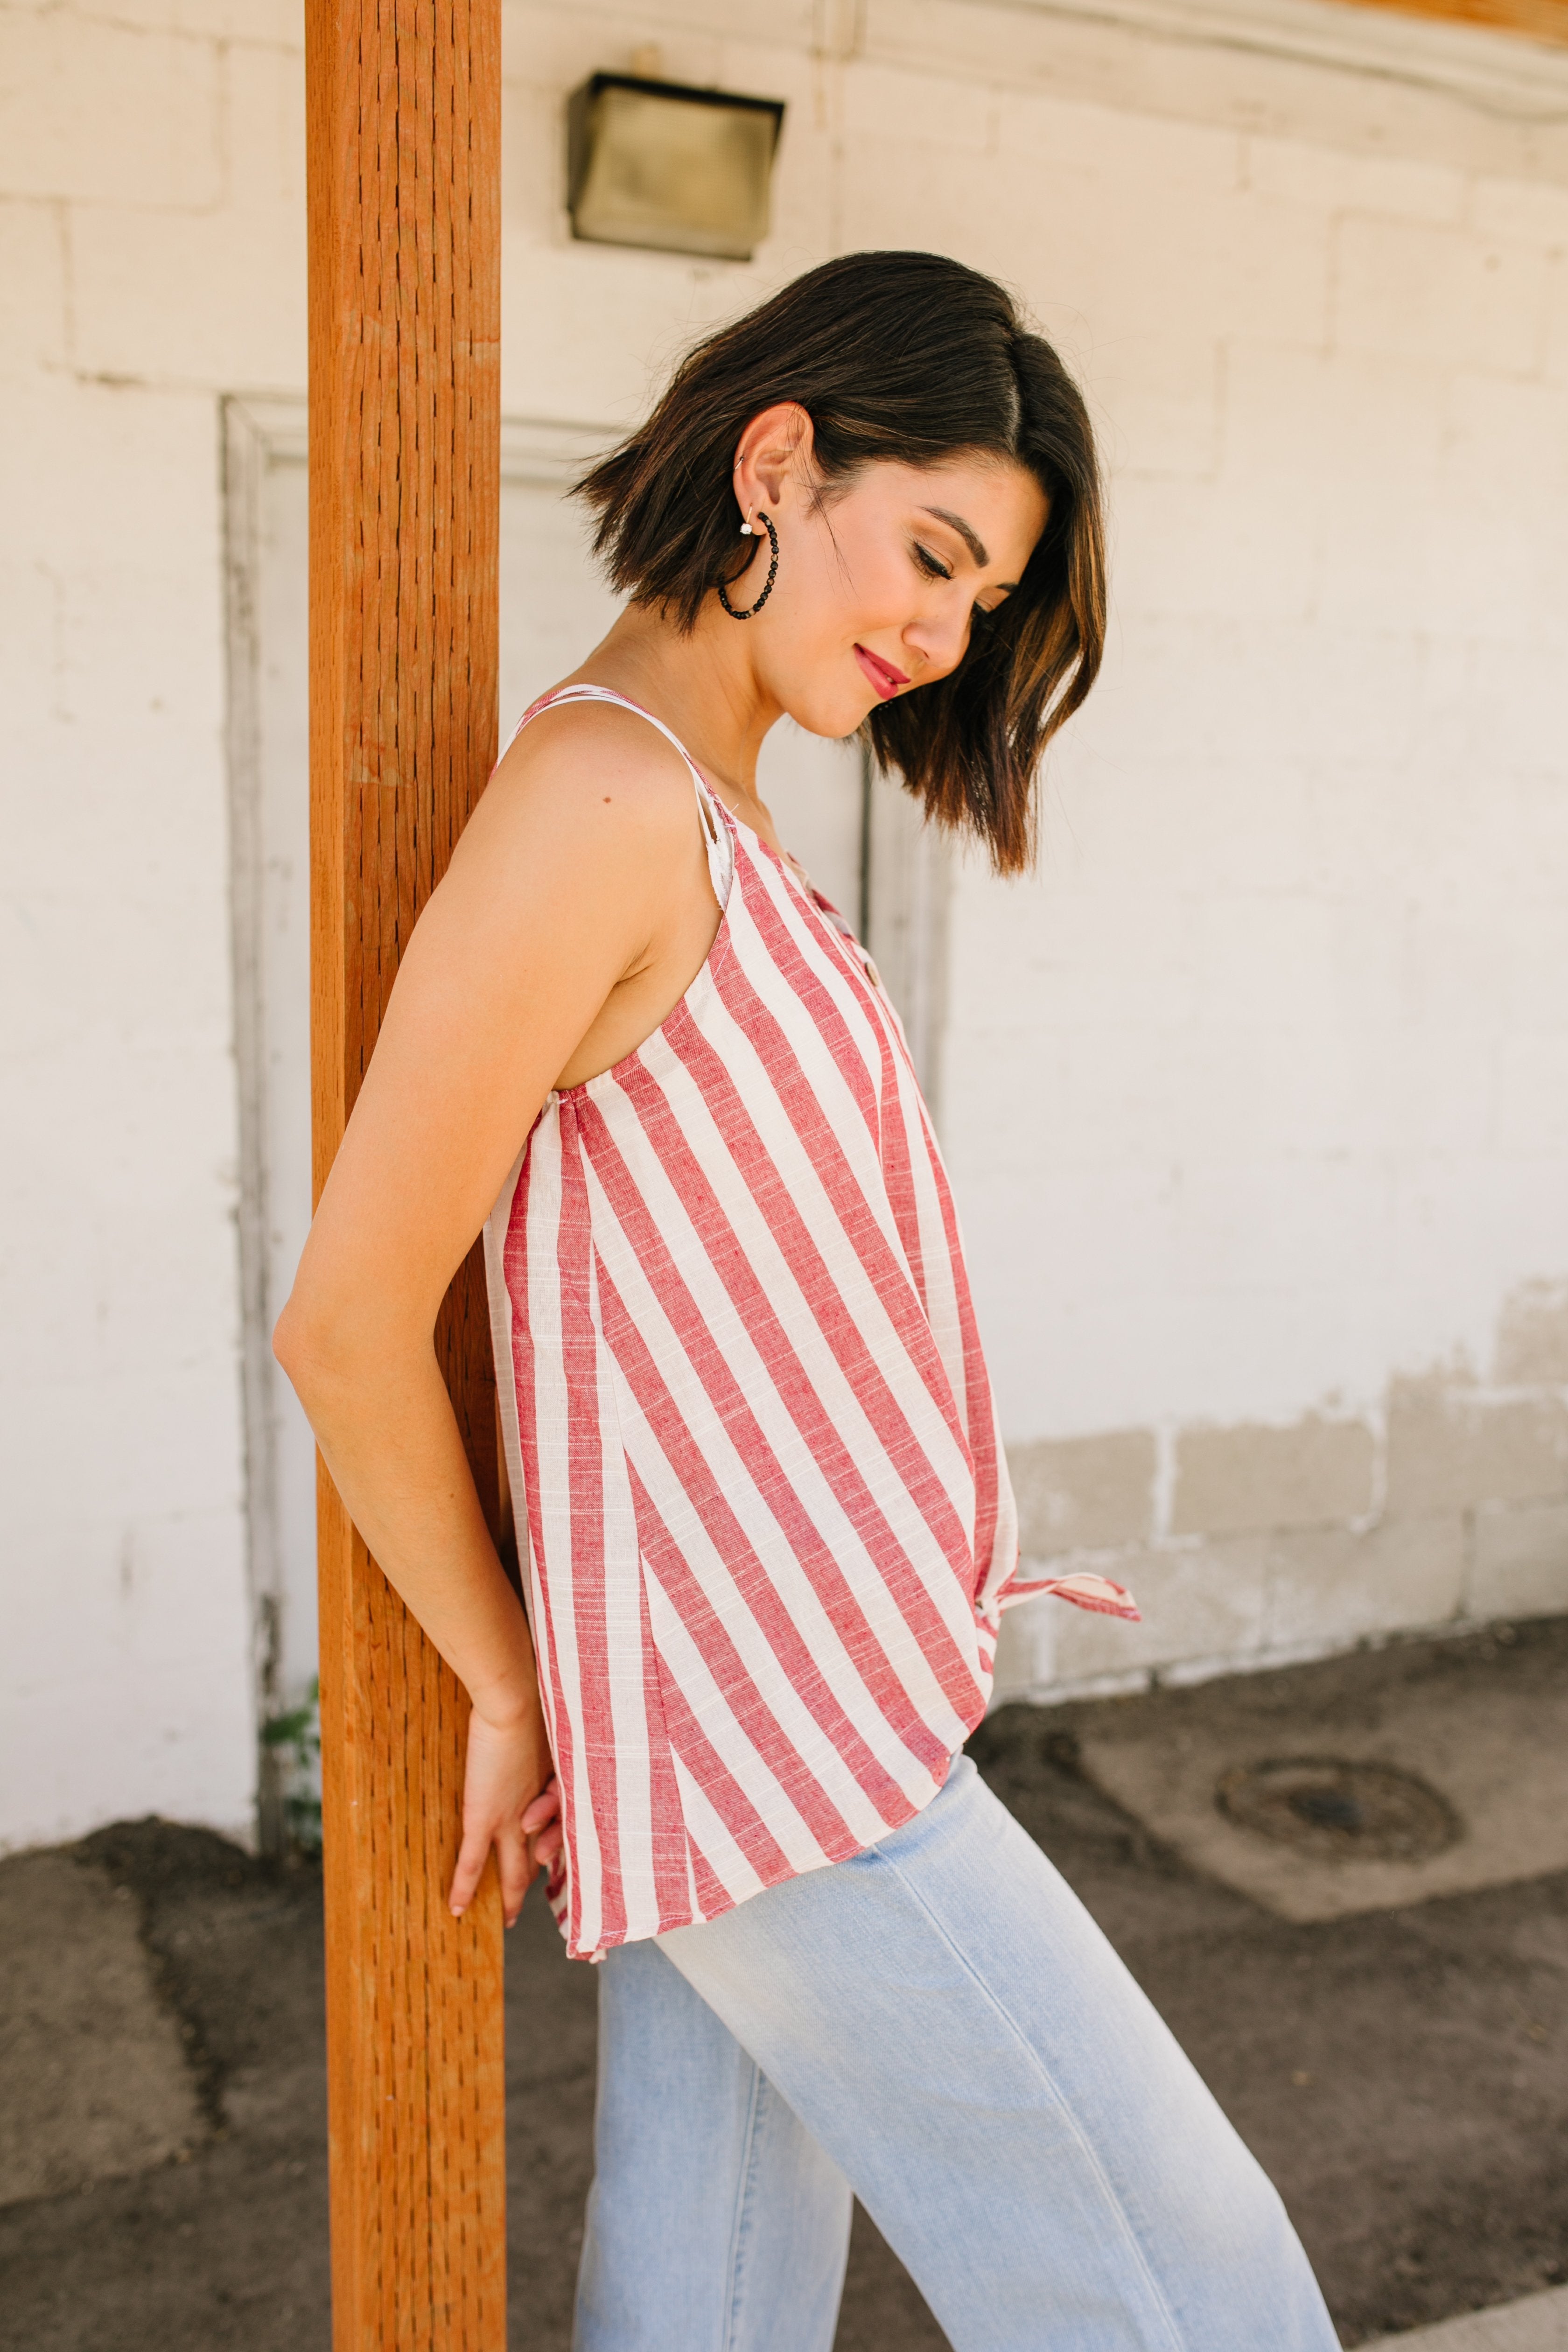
(1339, 1812)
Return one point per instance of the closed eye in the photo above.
(931, 565)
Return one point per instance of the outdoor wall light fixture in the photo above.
(656, 164)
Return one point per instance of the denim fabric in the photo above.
(939, 2023)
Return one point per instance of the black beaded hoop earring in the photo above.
(746, 528)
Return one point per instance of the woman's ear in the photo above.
(776, 448)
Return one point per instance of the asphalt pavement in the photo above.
(1399, 2063)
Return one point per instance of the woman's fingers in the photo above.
(544, 1808)
(511, 1855)
(472, 1855)
(505, 1805)
(542, 1822)
(518, 1855)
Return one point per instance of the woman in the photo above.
(759, 1486)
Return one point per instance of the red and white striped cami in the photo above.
(760, 1493)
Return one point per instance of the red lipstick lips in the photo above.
(882, 674)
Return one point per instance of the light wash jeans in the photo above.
(939, 2025)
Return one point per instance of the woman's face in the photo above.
(879, 587)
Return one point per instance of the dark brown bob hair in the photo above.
(913, 358)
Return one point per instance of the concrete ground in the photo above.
(1537, 2323)
(1402, 2072)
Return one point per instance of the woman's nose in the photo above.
(939, 639)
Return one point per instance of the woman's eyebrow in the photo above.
(971, 539)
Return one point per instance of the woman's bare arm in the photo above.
(578, 891)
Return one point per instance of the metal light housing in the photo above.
(656, 164)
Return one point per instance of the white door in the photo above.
(553, 608)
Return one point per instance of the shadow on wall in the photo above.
(1254, 1545)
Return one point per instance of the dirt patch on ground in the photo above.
(1402, 2074)
(225, 2251)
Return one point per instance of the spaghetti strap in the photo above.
(716, 834)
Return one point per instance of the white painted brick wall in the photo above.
(1254, 1096)
(128, 1658)
(101, 111)
(125, 264)
(1297, 939)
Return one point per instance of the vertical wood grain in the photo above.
(403, 139)
(1538, 20)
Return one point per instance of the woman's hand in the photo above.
(511, 1800)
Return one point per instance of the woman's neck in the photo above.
(703, 686)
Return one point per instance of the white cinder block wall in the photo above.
(1255, 1098)
(1258, 1097)
(151, 253)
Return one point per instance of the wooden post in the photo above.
(1538, 20)
(404, 140)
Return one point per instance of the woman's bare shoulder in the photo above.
(592, 752)
(588, 795)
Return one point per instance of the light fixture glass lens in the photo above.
(678, 174)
